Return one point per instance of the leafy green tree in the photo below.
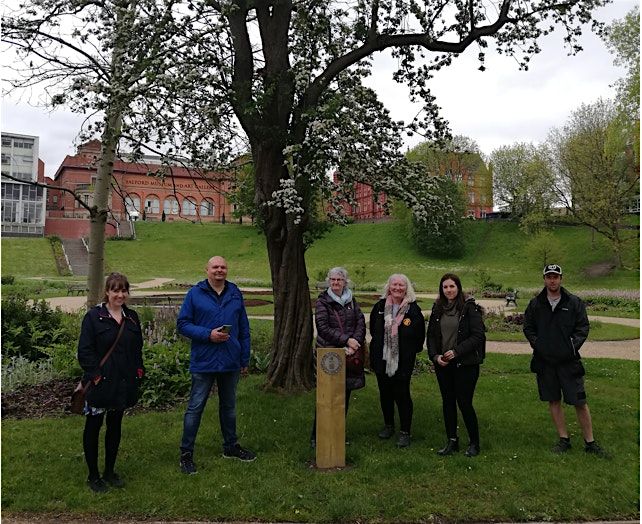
(523, 183)
(596, 176)
(106, 60)
(544, 248)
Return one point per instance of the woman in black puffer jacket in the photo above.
(456, 344)
(340, 324)
(114, 386)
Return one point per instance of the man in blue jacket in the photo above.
(213, 316)
(556, 325)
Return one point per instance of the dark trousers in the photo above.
(201, 386)
(313, 434)
(395, 391)
(457, 385)
(93, 423)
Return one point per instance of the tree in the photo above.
(106, 60)
(523, 183)
(596, 178)
(287, 78)
(544, 248)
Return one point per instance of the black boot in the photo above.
(473, 450)
(451, 447)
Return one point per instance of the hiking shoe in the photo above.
(237, 452)
(404, 439)
(595, 449)
(452, 446)
(187, 463)
(472, 451)
(113, 479)
(97, 485)
(387, 432)
(562, 446)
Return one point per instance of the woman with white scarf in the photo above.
(398, 329)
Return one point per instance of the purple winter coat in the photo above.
(334, 334)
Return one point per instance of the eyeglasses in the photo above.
(337, 279)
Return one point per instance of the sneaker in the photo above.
(237, 452)
(187, 463)
(97, 485)
(404, 439)
(387, 432)
(472, 451)
(313, 443)
(595, 449)
(114, 480)
(562, 446)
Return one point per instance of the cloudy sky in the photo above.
(497, 107)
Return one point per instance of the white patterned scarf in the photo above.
(391, 334)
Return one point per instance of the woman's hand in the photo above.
(440, 360)
(449, 355)
(353, 345)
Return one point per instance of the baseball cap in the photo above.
(552, 268)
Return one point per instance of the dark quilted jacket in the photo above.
(333, 332)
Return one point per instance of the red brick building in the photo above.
(140, 191)
(464, 168)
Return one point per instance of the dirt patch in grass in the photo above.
(601, 269)
(48, 399)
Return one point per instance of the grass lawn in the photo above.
(599, 331)
(16, 252)
(371, 252)
(516, 478)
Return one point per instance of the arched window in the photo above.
(152, 205)
(189, 207)
(170, 206)
(132, 206)
(206, 208)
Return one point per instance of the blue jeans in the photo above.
(201, 385)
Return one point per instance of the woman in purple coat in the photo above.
(340, 324)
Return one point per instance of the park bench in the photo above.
(511, 296)
(78, 289)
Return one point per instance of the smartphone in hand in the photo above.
(225, 328)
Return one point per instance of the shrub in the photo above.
(7, 280)
(18, 371)
(484, 283)
(28, 329)
(167, 376)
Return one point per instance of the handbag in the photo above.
(355, 377)
(77, 404)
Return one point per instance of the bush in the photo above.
(18, 371)
(484, 283)
(7, 280)
(29, 329)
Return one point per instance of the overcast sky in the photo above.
(497, 107)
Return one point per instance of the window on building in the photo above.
(207, 208)
(9, 211)
(31, 212)
(471, 180)
(152, 205)
(55, 199)
(132, 206)
(189, 207)
(170, 206)
(471, 197)
(6, 141)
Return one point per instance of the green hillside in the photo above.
(371, 252)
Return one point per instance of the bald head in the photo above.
(216, 271)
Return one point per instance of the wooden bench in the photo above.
(78, 289)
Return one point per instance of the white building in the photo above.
(23, 204)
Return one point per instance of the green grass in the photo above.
(516, 478)
(371, 252)
(28, 257)
(600, 331)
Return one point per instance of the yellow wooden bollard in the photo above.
(331, 421)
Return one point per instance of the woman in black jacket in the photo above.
(397, 327)
(340, 324)
(114, 386)
(456, 342)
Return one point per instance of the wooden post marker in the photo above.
(331, 420)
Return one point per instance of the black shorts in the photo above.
(567, 378)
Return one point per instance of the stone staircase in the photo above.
(76, 253)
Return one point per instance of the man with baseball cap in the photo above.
(556, 325)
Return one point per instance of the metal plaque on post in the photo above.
(331, 421)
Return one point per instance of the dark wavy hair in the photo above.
(116, 282)
(442, 300)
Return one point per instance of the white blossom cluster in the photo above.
(288, 199)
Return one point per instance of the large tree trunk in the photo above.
(100, 209)
(291, 359)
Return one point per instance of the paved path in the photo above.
(622, 349)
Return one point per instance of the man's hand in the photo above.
(217, 336)
(449, 355)
(244, 372)
(440, 360)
